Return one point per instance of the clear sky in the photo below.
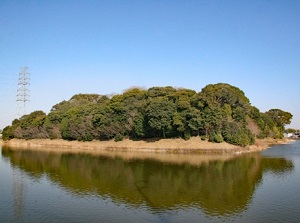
(104, 47)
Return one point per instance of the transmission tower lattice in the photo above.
(23, 92)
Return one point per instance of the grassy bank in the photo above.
(194, 145)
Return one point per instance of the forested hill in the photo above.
(220, 112)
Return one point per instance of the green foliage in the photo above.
(29, 126)
(203, 137)
(64, 127)
(118, 137)
(195, 120)
(33, 119)
(178, 122)
(220, 112)
(186, 136)
(290, 130)
(139, 125)
(7, 133)
(16, 122)
(136, 93)
(280, 118)
(220, 94)
(156, 92)
(237, 134)
(159, 115)
(239, 114)
(86, 98)
(216, 137)
(87, 137)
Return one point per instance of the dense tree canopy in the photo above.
(220, 112)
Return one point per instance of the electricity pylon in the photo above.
(22, 92)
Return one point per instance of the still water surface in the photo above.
(49, 186)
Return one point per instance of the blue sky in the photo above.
(106, 47)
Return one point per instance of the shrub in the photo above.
(87, 137)
(7, 133)
(118, 137)
(237, 134)
(186, 136)
(216, 137)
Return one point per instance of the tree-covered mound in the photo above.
(220, 112)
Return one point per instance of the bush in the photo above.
(237, 134)
(7, 133)
(216, 137)
(87, 137)
(203, 138)
(118, 137)
(186, 136)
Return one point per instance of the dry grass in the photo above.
(194, 145)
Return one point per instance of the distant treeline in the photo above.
(220, 112)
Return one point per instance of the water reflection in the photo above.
(219, 186)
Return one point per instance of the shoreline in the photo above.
(193, 145)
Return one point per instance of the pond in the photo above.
(52, 186)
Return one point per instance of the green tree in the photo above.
(160, 115)
(8, 133)
(280, 118)
(219, 112)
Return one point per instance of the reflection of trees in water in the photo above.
(220, 187)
